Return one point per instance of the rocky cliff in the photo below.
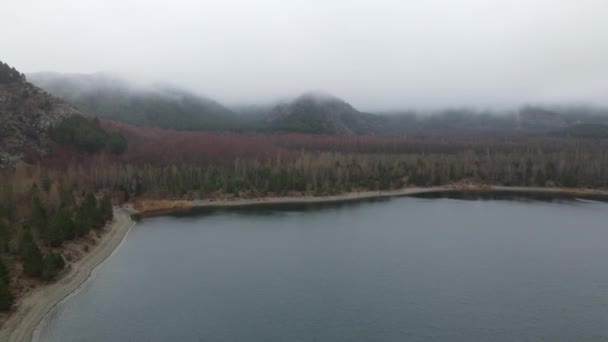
(26, 114)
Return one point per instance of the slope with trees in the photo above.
(161, 106)
(33, 122)
(318, 113)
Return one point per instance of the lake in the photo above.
(402, 269)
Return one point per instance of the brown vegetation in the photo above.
(182, 166)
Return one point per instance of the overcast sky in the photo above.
(376, 54)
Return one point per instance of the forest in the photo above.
(67, 195)
(34, 228)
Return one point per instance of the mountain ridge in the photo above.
(114, 98)
(322, 113)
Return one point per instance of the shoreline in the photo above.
(164, 207)
(35, 306)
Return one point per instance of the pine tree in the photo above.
(92, 211)
(32, 257)
(39, 219)
(105, 206)
(6, 299)
(4, 275)
(4, 238)
(82, 222)
(53, 263)
(61, 228)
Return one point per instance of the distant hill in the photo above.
(33, 121)
(113, 98)
(322, 114)
(540, 119)
(585, 130)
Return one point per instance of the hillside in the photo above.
(35, 122)
(322, 114)
(585, 130)
(113, 98)
(27, 113)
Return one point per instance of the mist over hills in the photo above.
(322, 113)
(163, 106)
(169, 107)
(114, 98)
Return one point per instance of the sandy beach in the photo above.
(33, 307)
(167, 206)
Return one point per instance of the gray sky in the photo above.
(376, 54)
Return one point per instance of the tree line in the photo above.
(87, 135)
(45, 204)
(330, 173)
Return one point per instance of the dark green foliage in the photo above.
(91, 214)
(540, 179)
(53, 263)
(81, 133)
(7, 210)
(61, 228)
(67, 198)
(105, 207)
(39, 216)
(34, 263)
(164, 107)
(182, 112)
(299, 181)
(9, 74)
(4, 275)
(278, 182)
(322, 114)
(87, 135)
(31, 255)
(90, 202)
(117, 143)
(596, 131)
(82, 222)
(86, 215)
(4, 238)
(6, 299)
(95, 216)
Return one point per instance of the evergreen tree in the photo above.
(61, 228)
(94, 211)
(117, 143)
(4, 238)
(105, 206)
(31, 255)
(39, 219)
(4, 274)
(8, 206)
(6, 299)
(82, 222)
(53, 263)
(9, 74)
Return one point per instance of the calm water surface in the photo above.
(406, 269)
